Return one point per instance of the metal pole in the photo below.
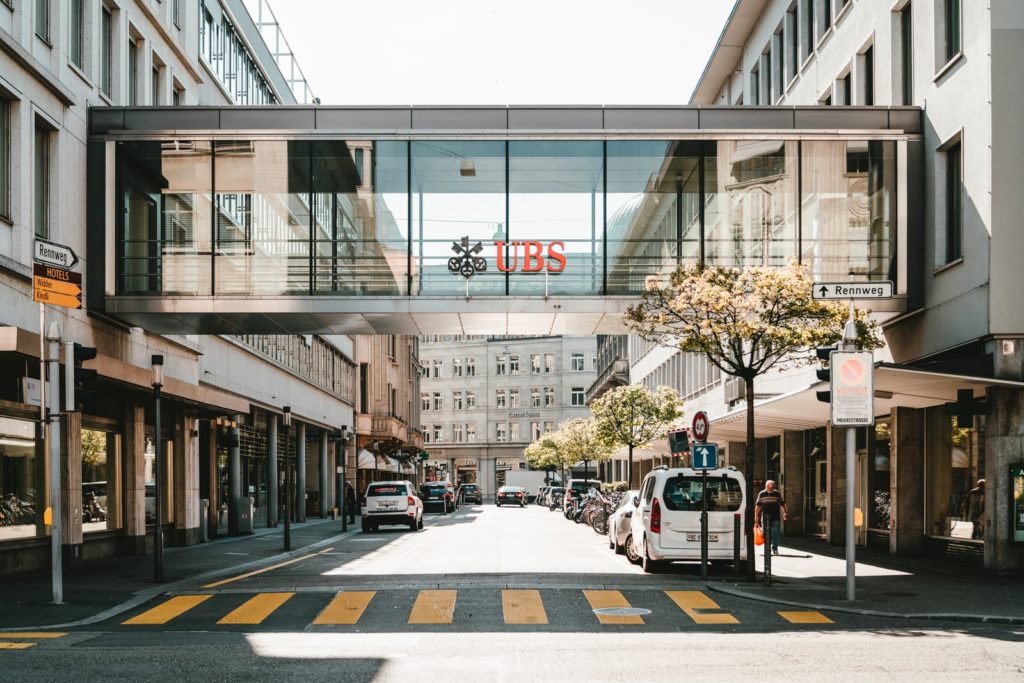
(736, 538)
(287, 491)
(768, 549)
(56, 562)
(158, 529)
(704, 524)
(344, 493)
(850, 344)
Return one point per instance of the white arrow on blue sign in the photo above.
(705, 456)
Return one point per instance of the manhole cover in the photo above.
(898, 594)
(622, 611)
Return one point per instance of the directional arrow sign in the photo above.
(876, 289)
(54, 254)
(705, 456)
(56, 286)
(47, 297)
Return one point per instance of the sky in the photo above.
(494, 52)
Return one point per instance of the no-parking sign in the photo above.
(853, 388)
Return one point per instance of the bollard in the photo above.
(768, 552)
(736, 544)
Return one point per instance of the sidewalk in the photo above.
(101, 588)
(812, 574)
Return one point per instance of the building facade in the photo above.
(484, 399)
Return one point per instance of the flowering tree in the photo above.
(745, 322)
(580, 441)
(633, 417)
(544, 453)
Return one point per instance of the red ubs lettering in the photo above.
(533, 256)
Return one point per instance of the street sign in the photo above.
(54, 254)
(56, 286)
(678, 441)
(853, 392)
(701, 426)
(705, 456)
(875, 289)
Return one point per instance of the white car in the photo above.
(392, 502)
(666, 525)
(619, 525)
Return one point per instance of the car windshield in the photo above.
(469, 487)
(684, 493)
(557, 489)
(434, 488)
(386, 490)
(583, 486)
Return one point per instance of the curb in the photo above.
(927, 616)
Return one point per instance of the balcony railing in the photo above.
(614, 375)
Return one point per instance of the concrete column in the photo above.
(736, 457)
(209, 483)
(792, 481)
(837, 489)
(1004, 432)
(71, 483)
(326, 480)
(186, 480)
(272, 470)
(234, 477)
(485, 476)
(906, 482)
(135, 480)
(339, 478)
(300, 472)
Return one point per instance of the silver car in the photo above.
(619, 525)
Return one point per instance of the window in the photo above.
(501, 431)
(577, 396)
(424, 401)
(535, 431)
(456, 400)
(593, 363)
(534, 397)
(364, 387)
(456, 367)
(76, 47)
(155, 85)
(176, 16)
(438, 401)
(577, 362)
(767, 68)
(513, 398)
(426, 433)
(549, 362)
(471, 433)
(845, 90)
(231, 61)
(513, 434)
(499, 368)
(457, 432)
(133, 72)
(549, 426)
(470, 367)
(954, 203)
(5, 158)
(792, 44)
(438, 433)
(808, 12)
(42, 181)
(178, 96)
(951, 27)
(437, 368)
(513, 365)
(869, 76)
(470, 400)
(43, 19)
(549, 396)
(755, 85)
(535, 363)
(106, 38)
(907, 54)
(826, 16)
(500, 398)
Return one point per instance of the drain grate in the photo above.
(622, 611)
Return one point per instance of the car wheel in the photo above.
(366, 527)
(420, 524)
(611, 541)
(522, 505)
(413, 524)
(650, 566)
(498, 504)
(631, 551)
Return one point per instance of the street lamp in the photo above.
(287, 422)
(344, 436)
(158, 530)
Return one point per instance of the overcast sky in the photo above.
(364, 52)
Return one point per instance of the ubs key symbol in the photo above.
(467, 263)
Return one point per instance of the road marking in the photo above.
(805, 618)
(694, 603)
(15, 646)
(433, 607)
(523, 607)
(39, 635)
(163, 613)
(256, 609)
(260, 571)
(345, 608)
(599, 599)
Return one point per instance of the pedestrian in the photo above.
(972, 509)
(350, 503)
(768, 510)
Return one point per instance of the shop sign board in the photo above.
(56, 286)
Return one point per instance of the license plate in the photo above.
(434, 498)
(386, 504)
(712, 538)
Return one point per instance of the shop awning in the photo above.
(366, 461)
(895, 386)
(387, 464)
(407, 467)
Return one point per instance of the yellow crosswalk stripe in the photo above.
(599, 599)
(433, 607)
(523, 607)
(15, 646)
(163, 613)
(38, 635)
(805, 618)
(695, 602)
(345, 608)
(256, 609)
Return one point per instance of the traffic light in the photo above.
(79, 382)
(824, 353)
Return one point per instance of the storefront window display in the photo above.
(956, 484)
(880, 500)
(101, 495)
(21, 481)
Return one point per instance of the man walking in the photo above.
(768, 509)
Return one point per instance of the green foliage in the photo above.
(94, 448)
(632, 416)
(575, 441)
(611, 486)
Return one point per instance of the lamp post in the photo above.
(286, 422)
(158, 529)
(343, 438)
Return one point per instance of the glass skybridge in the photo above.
(480, 220)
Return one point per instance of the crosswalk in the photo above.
(469, 608)
(23, 640)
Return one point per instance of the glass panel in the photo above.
(848, 231)
(263, 217)
(101, 502)
(556, 216)
(751, 203)
(955, 470)
(42, 182)
(653, 195)
(458, 191)
(5, 157)
(360, 199)
(21, 481)
(185, 266)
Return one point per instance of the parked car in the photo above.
(578, 488)
(666, 524)
(539, 498)
(511, 495)
(470, 493)
(619, 524)
(439, 495)
(553, 496)
(391, 502)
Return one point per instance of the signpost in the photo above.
(53, 254)
(852, 388)
(56, 286)
(874, 289)
(705, 457)
(701, 426)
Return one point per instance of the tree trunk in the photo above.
(629, 467)
(748, 471)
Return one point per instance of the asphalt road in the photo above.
(480, 594)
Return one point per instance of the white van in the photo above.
(666, 526)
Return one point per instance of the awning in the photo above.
(895, 386)
(366, 461)
(407, 467)
(387, 464)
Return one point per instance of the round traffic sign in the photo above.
(852, 372)
(701, 426)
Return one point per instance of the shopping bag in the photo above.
(758, 536)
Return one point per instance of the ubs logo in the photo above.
(535, 257)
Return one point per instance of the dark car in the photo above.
(511, 495)
(438, 495)
(470, 493)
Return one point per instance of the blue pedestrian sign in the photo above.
(705, 456)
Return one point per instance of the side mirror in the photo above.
(636, 501)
